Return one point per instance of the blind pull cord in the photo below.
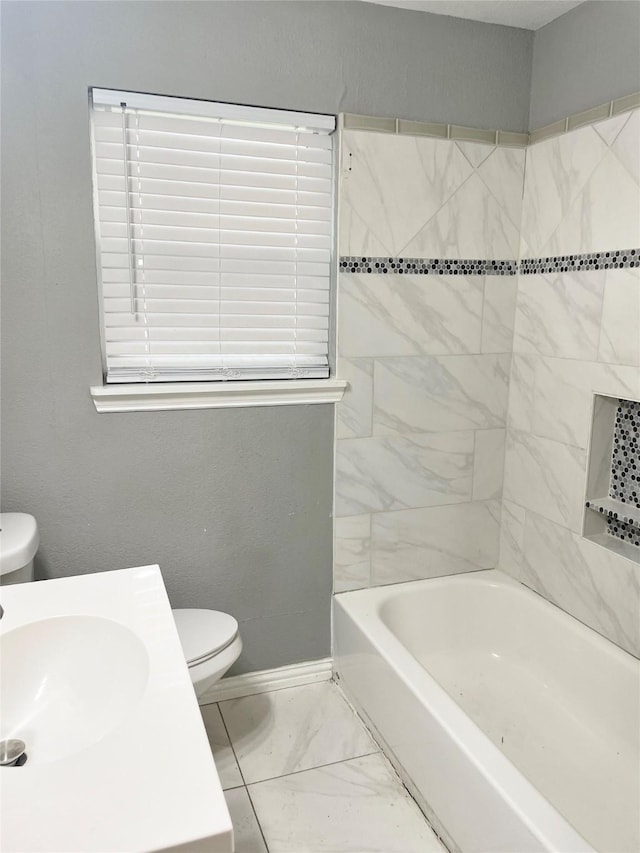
(127, 207)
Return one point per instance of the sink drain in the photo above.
(12, 753)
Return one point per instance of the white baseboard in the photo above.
(268, 679)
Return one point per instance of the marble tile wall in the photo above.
(420, 433)
(575, 333)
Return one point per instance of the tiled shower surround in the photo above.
(443, 366)
(576, 333)
(420, 433)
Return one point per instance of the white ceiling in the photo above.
(526, 14)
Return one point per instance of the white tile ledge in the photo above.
(172, 396)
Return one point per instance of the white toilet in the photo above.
(210, 639)
(210, 642)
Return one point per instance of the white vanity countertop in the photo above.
(147, 780)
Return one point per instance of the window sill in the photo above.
(174, 396)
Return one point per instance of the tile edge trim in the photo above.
(504, 138)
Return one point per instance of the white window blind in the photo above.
(214, 226)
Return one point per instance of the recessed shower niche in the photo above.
(612, 506)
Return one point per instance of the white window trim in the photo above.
(175, 396)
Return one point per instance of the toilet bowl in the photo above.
(210, 639)
(210, 643)
(19, 542)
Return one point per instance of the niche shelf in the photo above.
(612, 506)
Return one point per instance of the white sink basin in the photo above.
(93, 680)
(67, 682)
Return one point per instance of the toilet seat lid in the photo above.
(203, 633)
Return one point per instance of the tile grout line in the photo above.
(264, 839)
(244, 783)
(375, 751)
(390, 765)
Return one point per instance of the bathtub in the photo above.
(515, 726)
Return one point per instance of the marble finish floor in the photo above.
(301, 774)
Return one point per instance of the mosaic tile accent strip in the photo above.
(426, 266)
(619, 259)
(622, 258)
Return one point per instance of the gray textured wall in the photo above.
(234, 505)
(584, 58)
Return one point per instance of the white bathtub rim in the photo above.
(532, 808)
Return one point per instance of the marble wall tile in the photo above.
(556, 171)
(394, 184)
(521, 391)
(559, 314)
(564, 391)
(475, 152)
(397, 472)
(600, 588)
(581, 190)
(439, 393)
(471, 224)
(354, 412)
(503, 173)
(499, 309)
(620, 328)
(355, 236)
(422, 543)
(512, 524)
(488, 464)
(409, 315)
(626, 145)
(545, 476)
(609, 129)
(605, 214)
(351, 557)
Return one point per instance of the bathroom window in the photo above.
(214, 228)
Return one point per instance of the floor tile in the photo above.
(356, 806)
(226, 764)
(294, 729)
(246, 830)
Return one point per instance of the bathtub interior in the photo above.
(559, 701)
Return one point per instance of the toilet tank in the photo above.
(19, 542)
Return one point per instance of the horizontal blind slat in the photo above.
(218, 170)
(221, 308)
(191, 126)
(158, 293)
(254, 346)
(215, 204)
(229, 230)
(207, 189)
(306, 216)
(141, 150)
